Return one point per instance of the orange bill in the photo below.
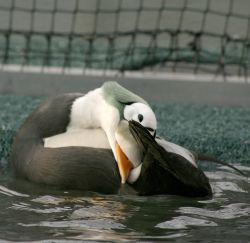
(124, 164)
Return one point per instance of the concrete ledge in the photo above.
(152, 89)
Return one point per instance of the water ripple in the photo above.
(182, 222)
(230, 211)
(220, 186)
(79, 224)
(4, 190)
(27, 207)
(47, 199)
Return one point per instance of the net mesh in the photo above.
(206, 36)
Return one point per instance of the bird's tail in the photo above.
(207, 158)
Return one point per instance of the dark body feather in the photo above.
(165, 172)
(84, 168)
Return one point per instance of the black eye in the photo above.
(140, 117)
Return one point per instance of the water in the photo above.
(33, 213)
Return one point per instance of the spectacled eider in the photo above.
(66, 141)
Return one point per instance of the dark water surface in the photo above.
(33, 213)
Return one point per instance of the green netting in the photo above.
(209, 35)
(218, 131)
(117, 57)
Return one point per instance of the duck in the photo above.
(69, 140)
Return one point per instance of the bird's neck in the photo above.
(86, 111)
(92, 111)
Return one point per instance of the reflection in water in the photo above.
(30, 212)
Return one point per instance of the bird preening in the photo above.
(101, 140)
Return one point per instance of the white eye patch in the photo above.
(141, 113)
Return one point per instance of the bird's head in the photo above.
(126, 106)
